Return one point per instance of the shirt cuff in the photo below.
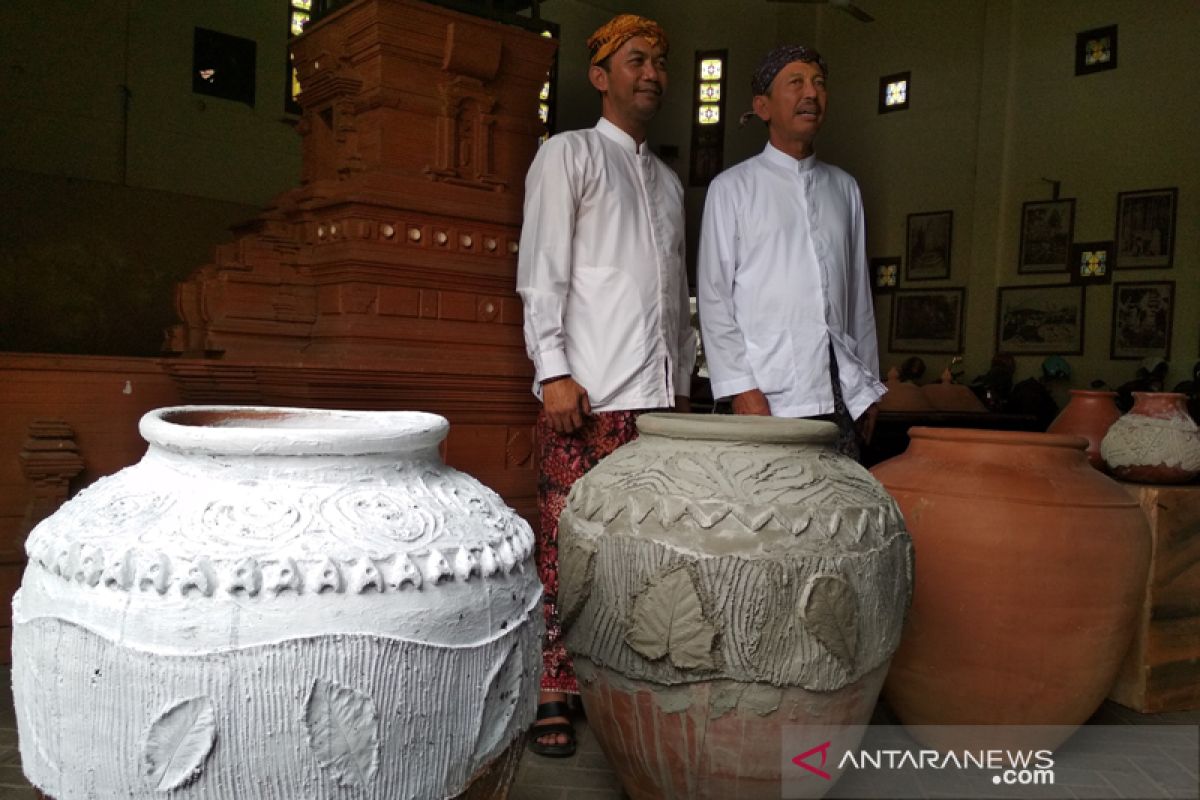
(732, 386)
(551, 364)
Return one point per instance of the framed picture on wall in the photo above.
(927, 320)
(1047, 227)
(1091, 262)
(930, 235)
(1145, 237)
(1039, 319)
(885, 274)
(1141, 319)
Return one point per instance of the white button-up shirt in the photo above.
(601, 271)
(782, 274)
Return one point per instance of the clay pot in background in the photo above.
(1030, 566)
(1156, 442)
(722, 577)
(904, 396)
(1089, 414)
(950, 396)
(278, 603)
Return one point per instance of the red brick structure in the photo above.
(386, 279)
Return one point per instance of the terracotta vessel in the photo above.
(1030, 570)
(1156, 442)
(1088, 414)
(722, 577)
(950, 396)
(903, 396)
(278, 603)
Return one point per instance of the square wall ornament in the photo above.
(1096, 50)
(223, 65)
(894, 92)
(885, 274)
(1091, 262)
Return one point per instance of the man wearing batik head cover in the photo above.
(785, 297)
(602, 276)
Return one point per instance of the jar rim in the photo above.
(734, 428)
(289, 431)
(986, 436)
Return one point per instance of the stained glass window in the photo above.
(1099, 51)
(1093, 263)
(885, 275)
(544, 112)
(545, 93)
(707, 154)
(894, 92)
(299, 20)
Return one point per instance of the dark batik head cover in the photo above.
(777, 59)
(609, 37)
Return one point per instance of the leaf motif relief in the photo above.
(830, 612)
(178, 742)
(343, 732)
(668, 620)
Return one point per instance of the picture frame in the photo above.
(1091, 262)
(1145, 232)
(928, 245)
(1096, 50)
(885, 274)
(927, 320)
(1040, 319)
(1142, 312)
(1047, 228)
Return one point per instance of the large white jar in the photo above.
(278, 603)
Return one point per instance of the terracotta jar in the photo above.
(1156, 442)
(722, 577)
(278, 603)
(1030, 567)
(1089, 414)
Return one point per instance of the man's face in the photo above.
(636, 78)
(795, 108)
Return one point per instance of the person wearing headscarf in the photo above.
(603, 281)
(786, 313)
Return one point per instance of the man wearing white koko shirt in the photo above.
(784, 290)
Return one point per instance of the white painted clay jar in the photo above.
(721, 578)
(1156, 442)
(278, 603)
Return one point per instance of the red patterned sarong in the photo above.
(564, 458)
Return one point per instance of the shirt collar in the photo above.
(783, 160)
(621, 137)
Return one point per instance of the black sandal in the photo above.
(556, 708)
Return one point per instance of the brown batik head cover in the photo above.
(609, 37)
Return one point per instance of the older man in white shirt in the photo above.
(784, 291)
(602, 276)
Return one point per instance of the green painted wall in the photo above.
(116, 179)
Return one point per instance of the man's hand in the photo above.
(752, 402)
(566, 404)
(683, 404)
(865, 425)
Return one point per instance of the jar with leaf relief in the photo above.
(723, 579)
(278, 603)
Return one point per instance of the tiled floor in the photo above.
(587, 775)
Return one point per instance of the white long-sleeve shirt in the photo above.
(782, 274)
(601, 271)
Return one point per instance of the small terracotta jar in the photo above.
(1030, 569)
(1156, 442)
(1088, 414)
